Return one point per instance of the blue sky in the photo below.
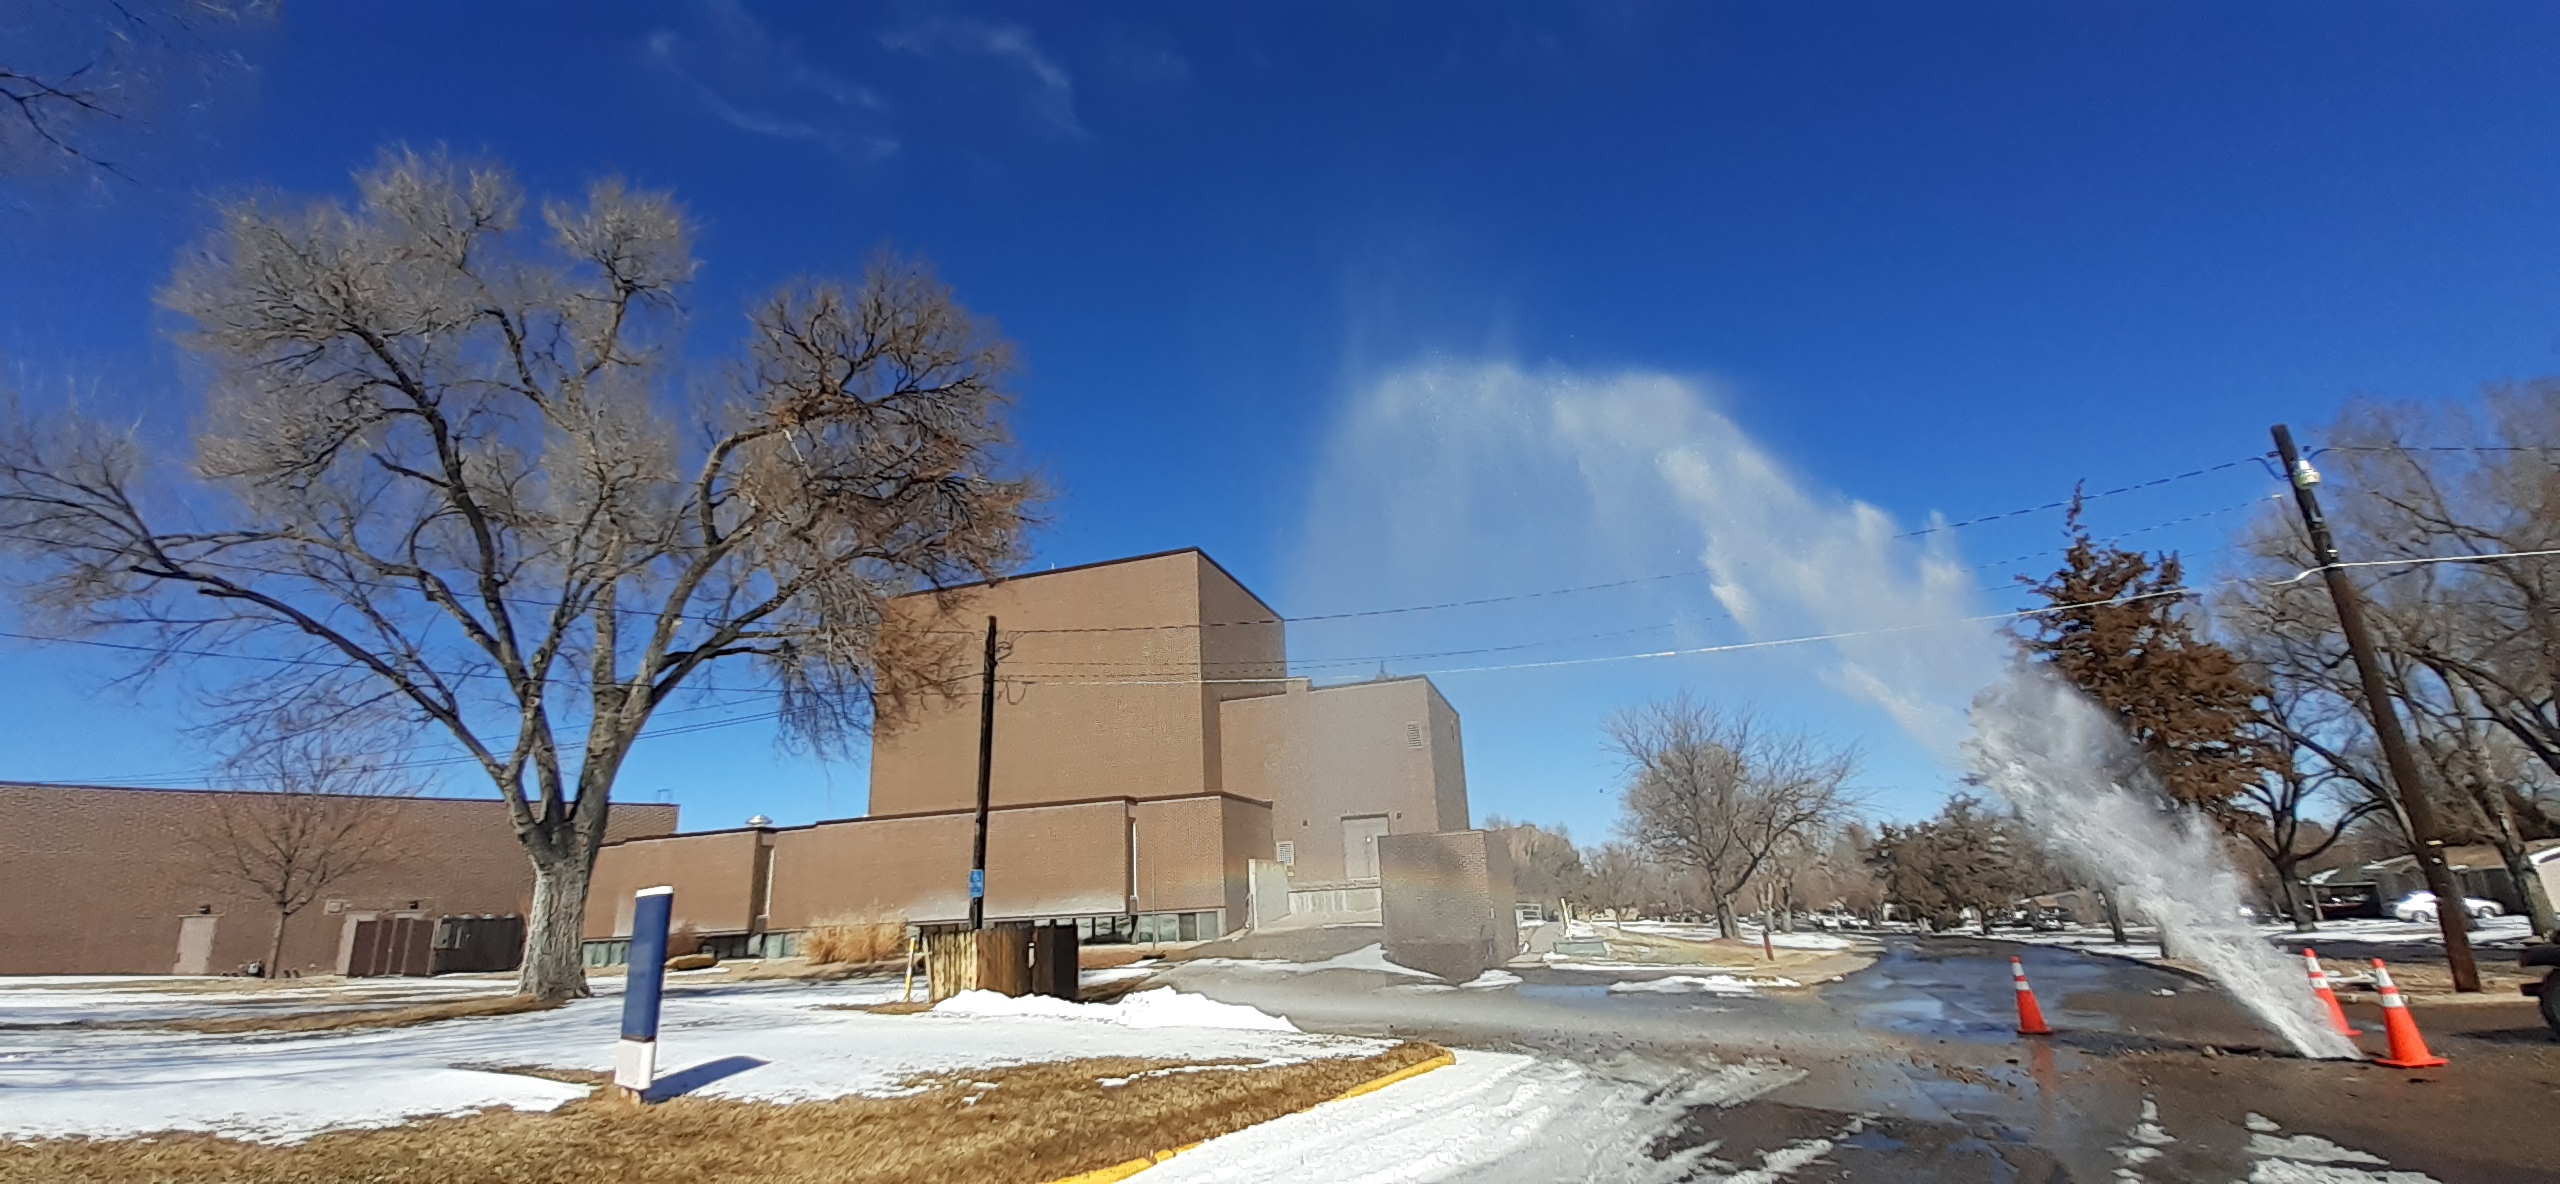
(1940, 260)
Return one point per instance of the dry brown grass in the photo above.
(323, 1021)
(855, 940)
(1036, 1123)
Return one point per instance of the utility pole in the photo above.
(986, 767)
(2411, 791)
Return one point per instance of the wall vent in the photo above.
(1413, 735)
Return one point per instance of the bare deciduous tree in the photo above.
(2471, 648)
(73, 67)
(447, 470)
(1713, 794)
(1545, 865)
(315, 818)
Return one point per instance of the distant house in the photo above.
(2477, 870)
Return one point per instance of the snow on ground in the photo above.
(2494, 933)
(1162, 1007)
(1489, 1117)
(2144, 943)
(1700, 984)
(1491, 980)
(1750, 933)
(1371, 958)
(68, 999)
(777, 1041)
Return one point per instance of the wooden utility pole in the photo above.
(986, 767)
(2411, 791)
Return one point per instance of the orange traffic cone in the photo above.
(2030, 1016)
(2408, 1049)
(2320, 987)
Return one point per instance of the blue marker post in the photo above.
(635, 1060)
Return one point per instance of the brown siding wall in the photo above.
(1247, 826)
(872, 868)
(714, 874)
(1324, 754)
(94, 880)
(1182, 865)
(1058, 861)
(1042, 861)
(1100, 686)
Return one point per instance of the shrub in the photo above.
(854, 940)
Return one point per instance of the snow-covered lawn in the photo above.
(2143, 941)
(66, 999)
(756, 1041)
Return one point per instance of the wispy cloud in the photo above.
(759, 83)
(1053, 93)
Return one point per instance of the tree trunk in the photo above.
(1726, 925)
(1984, 912)
(2528, 882)
(2115, 913)
(275, 947)
(2304, 915)
(554, 953)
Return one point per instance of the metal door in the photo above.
(195, 944)
(1360, 846)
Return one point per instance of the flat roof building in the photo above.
(106, 880)
(1149, 744)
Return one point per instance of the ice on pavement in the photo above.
(1709, 984)
(787, 1042)
(1162, 1007)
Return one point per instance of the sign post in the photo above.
(635, 1059)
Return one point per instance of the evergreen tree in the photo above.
(2116, 632)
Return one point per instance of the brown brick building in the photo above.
(115, 881)
(1149, 744)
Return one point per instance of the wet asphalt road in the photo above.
(1911, 1070)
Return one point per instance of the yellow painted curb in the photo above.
(1442, 1061)
(1128, 1168)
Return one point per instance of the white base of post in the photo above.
(635, 1065)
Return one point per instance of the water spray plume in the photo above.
(2049, 751)
(1449, 476)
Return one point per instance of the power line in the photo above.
(1773, 643)
(2085, 497)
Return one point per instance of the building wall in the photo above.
(1102, 685)
(95, 880)
(914, 868)
(717, 870)
(1320, 755)
(1066, 860)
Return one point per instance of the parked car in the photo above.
(2420, 907)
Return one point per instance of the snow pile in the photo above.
(1162, 1007)
(778, 1042)
(1491, 980)
(1707, 984)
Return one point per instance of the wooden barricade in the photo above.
(1054, 967)
(996, 958)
